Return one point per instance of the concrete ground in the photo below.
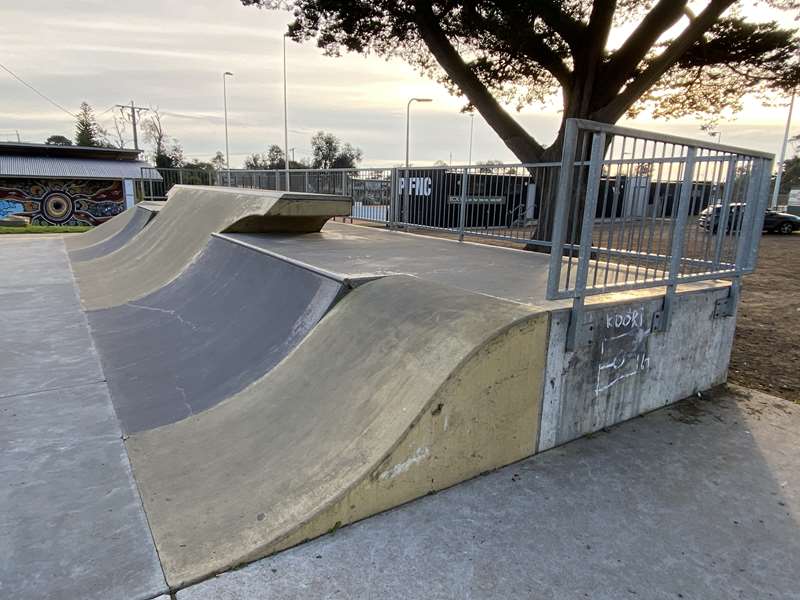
(700, 500)
(71, 520)
(697, 501)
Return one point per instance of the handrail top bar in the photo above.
(402, 168)
(651, 136)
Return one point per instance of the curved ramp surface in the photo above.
(403, 388)
(100, 233)
(141, 217)
(163, 249)
(228, 319)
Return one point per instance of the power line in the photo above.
(29, 86)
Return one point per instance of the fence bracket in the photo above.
(580, 331)
(726, 307)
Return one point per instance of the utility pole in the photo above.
(133, 108)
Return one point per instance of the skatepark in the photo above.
(245, 374)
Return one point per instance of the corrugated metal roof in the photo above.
(42, 166)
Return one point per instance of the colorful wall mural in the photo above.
(62, 202)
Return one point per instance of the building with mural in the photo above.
(68, 185)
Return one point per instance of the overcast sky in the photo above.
(171, 54)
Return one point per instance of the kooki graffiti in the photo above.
(57, 202)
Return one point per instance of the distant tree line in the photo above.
(327, 150)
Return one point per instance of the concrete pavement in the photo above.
(697, 501)
(71, 520)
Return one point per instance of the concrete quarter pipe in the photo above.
(134, 223)
(225, 321)
(405, 387)
(163, 249)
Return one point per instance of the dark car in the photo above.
(780, 222)
(710, 218)
(777, 222)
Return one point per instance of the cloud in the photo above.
(171, 55)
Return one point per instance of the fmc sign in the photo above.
(490, 199)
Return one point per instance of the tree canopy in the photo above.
(328, 152)
(87, 130)
(167, 151)
(58, 140)
(602, 59)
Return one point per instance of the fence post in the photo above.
(404, 213)
(394, 183)
(462, 204)
(561, 206)
(661, 322)
(587, 231)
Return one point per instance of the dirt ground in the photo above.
(766, 349)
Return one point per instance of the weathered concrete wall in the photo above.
(627, 369)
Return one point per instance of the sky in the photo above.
(171, 54)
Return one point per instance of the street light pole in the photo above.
(774, 201)
(471, 126)
(285, 118)
(225, 106)
(408, 135)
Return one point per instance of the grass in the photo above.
(46, 229)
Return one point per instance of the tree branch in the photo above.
(647, 78)
(624, 61)
(512, 133)
(556, 19)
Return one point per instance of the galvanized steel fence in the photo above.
(636, 209)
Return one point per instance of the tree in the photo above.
(167, 151)
(218, 161)
(87, 131)
(58, 140)
(672, 62)
(328, 152)
(791, 174)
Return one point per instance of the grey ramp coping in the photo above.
(141, 217)
(699, 500)
(228, 319)
(72, 524)
(165, 247)
(102, 232)
(263, 468)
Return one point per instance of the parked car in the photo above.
(776, 222)
(710, 217)
(781, 222)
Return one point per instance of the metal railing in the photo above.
(508, 202)
(636, 209)
(155, 182)
(370, 189)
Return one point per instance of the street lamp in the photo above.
(408, 130)
(225, 75)
(285, 118)
(471, 126)
(779, 175)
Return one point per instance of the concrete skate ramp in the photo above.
(100, 233)
(164, 248)
(405, 387)
(228, 319)
(141, 217)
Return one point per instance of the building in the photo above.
(68, 185)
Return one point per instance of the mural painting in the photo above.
(62, 202)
